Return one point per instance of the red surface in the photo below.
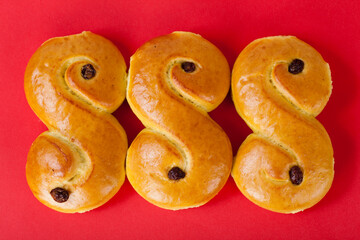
(332, 27)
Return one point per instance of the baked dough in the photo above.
(182, 158)
(279, 84)
(73, 84)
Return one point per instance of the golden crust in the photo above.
(85, 148)
(173, 105)
(280, 108)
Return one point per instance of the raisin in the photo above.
(176, 173)
(188, 67)
(60, 195)
(88, 71)
(296, 66)
(296, 175)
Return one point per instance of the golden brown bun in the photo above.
(84, 150)
(280, 107)
(173, 105)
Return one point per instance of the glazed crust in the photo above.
(84, 150)
(173, 106)
(280, 108)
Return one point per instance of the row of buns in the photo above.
(182, 158)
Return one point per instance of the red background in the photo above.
(332, 27)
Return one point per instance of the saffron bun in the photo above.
(279, 85)
(73, 84)
(182, 158)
